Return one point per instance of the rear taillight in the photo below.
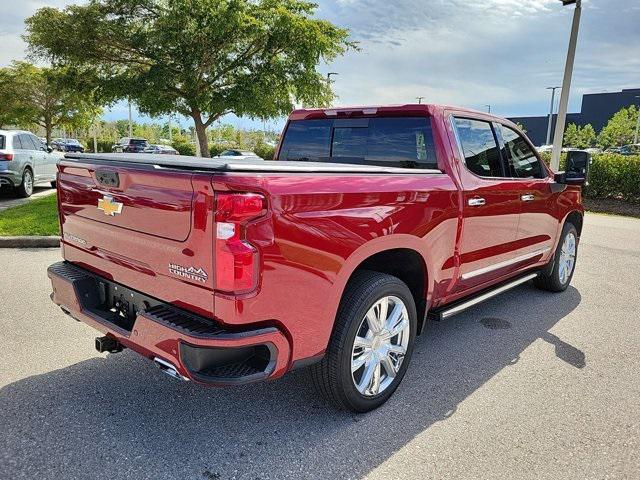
(236, 259)
(7, 157)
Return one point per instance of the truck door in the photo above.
(491, 208)
(538, 226)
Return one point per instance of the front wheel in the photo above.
(558, 277)
(371, 344)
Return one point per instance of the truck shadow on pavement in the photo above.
(118, 417)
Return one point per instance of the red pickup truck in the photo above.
(370, 222)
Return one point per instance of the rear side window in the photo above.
(523, 162)
(392, 142)
(479, 146)
(2, 142)
(137, 141)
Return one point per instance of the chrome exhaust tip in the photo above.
(169, 369)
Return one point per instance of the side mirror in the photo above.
(577, 171)
(49, 149)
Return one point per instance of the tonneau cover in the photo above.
(225, 165)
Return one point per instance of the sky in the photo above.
(470, 53)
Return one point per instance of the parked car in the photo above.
(613, 150)
(234, 154)
(130, 145)
(25, 161)
(632, 149)
(67, 145)
(371, 221)
(545, 148)
(161, 149)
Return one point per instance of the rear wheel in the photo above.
(371, 345)
(558, 277)
(25, 189)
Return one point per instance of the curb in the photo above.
(29, 242)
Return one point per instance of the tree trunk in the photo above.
(201, 134)
(48, 127)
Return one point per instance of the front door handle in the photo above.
(528, 197)
(476, 202)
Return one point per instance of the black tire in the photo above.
(23, 190)
(332, 376)
(551, 279)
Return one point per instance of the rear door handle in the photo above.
(528, 197)
(476, 202)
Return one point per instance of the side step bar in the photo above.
(461, 305)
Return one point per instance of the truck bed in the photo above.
(223, 165)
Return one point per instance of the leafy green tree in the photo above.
(620, 129)
(9, 111)
(200, 58)
(579, 137)
(40, 96)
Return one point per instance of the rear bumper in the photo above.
(199, 348)
(10, 177)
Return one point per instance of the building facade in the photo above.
(597, 109)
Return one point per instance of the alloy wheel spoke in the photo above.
(395, 315)
(361, 360)
(374, 322)
(389, 366)
(367, 376)
(399, 328)
(362, 342)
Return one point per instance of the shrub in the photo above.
(610, 176)
(184, 148)
(104, 146)
(264, 151)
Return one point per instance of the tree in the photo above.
(8, 105)
(579, 137)
(620, 129)
(200, 58)
(40, 97)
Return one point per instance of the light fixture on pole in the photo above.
(419, 100)
(566, 84)
(553, 96)
(488, 107)
(329, 75)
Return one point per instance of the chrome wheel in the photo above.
(28, 182)
(567, 258)
(380, 346)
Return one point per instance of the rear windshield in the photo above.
(390, 142)
(2, 142)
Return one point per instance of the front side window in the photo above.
(479, 146)
(405, 142)
(523, 162)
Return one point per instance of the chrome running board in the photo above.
(461, 305)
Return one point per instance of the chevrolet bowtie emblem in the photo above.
(108, 206)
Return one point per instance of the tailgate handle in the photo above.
(107, 178)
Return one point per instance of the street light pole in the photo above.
(553, 96)
(419, 100)
(170, 134)
(566, 84)
(130, 122)
(488, 107)
(635, 140)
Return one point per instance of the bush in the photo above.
(104, 146)
(264, 151)
(184, 148)
(610, 176)
(216, 149)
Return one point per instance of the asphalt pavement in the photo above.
(528, 385)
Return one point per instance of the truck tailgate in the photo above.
(140, 226)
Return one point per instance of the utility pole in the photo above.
(566, 84)
(419, 100)
(170, 134)
(635, 140)
(130, 122)
(553, 96)
(488, 108)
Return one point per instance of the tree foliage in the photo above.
(579, 137)
(41, 96)
(620, 130)
(200, 58)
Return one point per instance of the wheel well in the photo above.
(407, 265)
(575, 218)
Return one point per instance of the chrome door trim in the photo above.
(505, 263)
(528, 197)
